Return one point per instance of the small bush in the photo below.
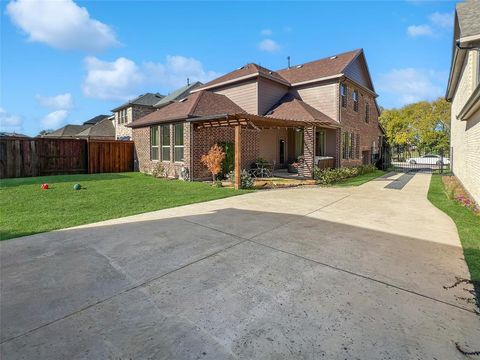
(246, 180)
(158, 171)
(332, 176)
(213, 160)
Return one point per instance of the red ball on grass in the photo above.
(44, 186)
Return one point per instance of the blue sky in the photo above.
(66, 61)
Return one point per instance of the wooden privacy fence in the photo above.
(110, 156)
(20, 157)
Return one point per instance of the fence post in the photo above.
(441, 161)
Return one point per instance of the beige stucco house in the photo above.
(464, 93)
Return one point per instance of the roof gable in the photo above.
(357, 70)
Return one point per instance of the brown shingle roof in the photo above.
(246, 70)
(292, 108)
(202, 103)
(329, 66)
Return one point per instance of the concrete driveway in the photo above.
(307, 273)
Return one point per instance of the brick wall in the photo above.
(204, 139)
(143, 162)
(354, 122)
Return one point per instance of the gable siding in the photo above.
(244, 95)
(323, 97)
(357, 71)
(269, 93)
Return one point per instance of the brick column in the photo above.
(308, 152)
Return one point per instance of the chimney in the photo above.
(188, 81)
(288, 59)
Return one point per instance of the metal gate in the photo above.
(404, 159)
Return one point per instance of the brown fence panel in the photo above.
(21, 157)
(110, 156)
(61, 156)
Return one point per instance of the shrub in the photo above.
(213, 160)
(158, 170)
(332, 176)
(246, 180)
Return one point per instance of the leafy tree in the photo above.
(45, 132)
(423, 125)
(213, 160)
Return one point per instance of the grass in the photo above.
(360, 179)
(468, 224)
(25, 209)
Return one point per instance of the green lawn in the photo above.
(361, 179)
(468, 224)
(25, 209)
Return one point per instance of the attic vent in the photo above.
(182, 100)
(299, 66)
(241, 67)
(270, 72)
(333, 57)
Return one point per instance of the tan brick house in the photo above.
(322, 112)
(464, 93)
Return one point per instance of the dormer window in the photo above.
(343, 94)
(355, 100)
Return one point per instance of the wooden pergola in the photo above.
(253, 121)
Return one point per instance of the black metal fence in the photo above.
(410, 159)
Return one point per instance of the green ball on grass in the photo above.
(77, 187)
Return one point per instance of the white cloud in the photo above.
(444, 20)
(411, 85)
(122, 79)
(61, 24)
(266, 32)
(175, 71)
(58, 102)
(419, 30)
(268, 45)
(54, 119)
(9, 122)
(111, 80)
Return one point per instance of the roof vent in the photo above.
(182, 100)
(270, 72)
(299, 66)
(241, 67)
(333, 57)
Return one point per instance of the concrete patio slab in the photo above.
(304, 273)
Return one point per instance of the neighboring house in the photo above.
(323, 110)
(12, 135)
(144, 105)
(464, 93)
(131, 111)
(100, 127)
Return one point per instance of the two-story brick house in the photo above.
(319, 111)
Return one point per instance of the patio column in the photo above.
(308, 152)
(238, 156)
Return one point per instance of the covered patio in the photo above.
(315, 141)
